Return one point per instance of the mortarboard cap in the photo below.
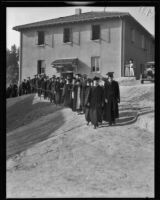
(89, 80)
(84, 75)
(110, 74)
(78, 75)
(96, 78)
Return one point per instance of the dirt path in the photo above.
(74, 160)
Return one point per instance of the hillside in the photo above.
(53, 153)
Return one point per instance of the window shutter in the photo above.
(63, 35)
(97, 63)
(38, 66)
(71, 35)
(108, 34)
(91, 32)
(36, 37)
(143, 42)
(105, 34)
(76, 37)
(52, 40)
(132, 35)
(48, 39)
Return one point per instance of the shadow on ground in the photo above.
(128, 117)
(22, 112)
(22, 133)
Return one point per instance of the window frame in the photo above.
(38, 39)
(96, 39)
(70, 35)
(143, 42)
(93, 58)
(39, 67)
(133, 35)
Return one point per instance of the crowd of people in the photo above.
(96, 98)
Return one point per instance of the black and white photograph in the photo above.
(80, 86)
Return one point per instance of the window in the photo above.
(67, 35)
(143, 42)
(95, 64)
(95, 32)
(132, 35)
(41, 67)
(40, 37)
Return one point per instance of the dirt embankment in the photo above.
(53, 153)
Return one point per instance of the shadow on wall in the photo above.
(85, 69)
(26, 134)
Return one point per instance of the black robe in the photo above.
(52, 97)
(112, 94)
(57, 92)
(86, 101)
(67, 95)
(96, 102)
(82, 95)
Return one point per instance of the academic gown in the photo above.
(96, 101)
(67, 95)
(86, 101)
(112, 94)
(82, 95)
(58, 91)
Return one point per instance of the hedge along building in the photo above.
(92, 43)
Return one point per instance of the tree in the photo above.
(12, 65)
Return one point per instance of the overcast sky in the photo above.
(23, 15)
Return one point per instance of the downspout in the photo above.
(122, 47)
(20, 59)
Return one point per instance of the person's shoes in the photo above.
(87, 123)
(95, 127)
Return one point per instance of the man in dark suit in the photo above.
(95, 102)
(111, 99)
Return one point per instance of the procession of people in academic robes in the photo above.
(98, 102)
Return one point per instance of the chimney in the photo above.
(78, 11)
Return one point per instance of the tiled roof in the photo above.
(88, 16)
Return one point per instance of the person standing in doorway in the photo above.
(131, 66)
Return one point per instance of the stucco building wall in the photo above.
(134, 50)
(82, 47)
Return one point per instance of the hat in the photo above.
(84, 75)
(96, 78)
(78, 75)
(110, 74)
(89, 80)
(68, 77)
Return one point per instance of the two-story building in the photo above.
(88, 43)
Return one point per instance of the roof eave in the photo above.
(19, 28)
